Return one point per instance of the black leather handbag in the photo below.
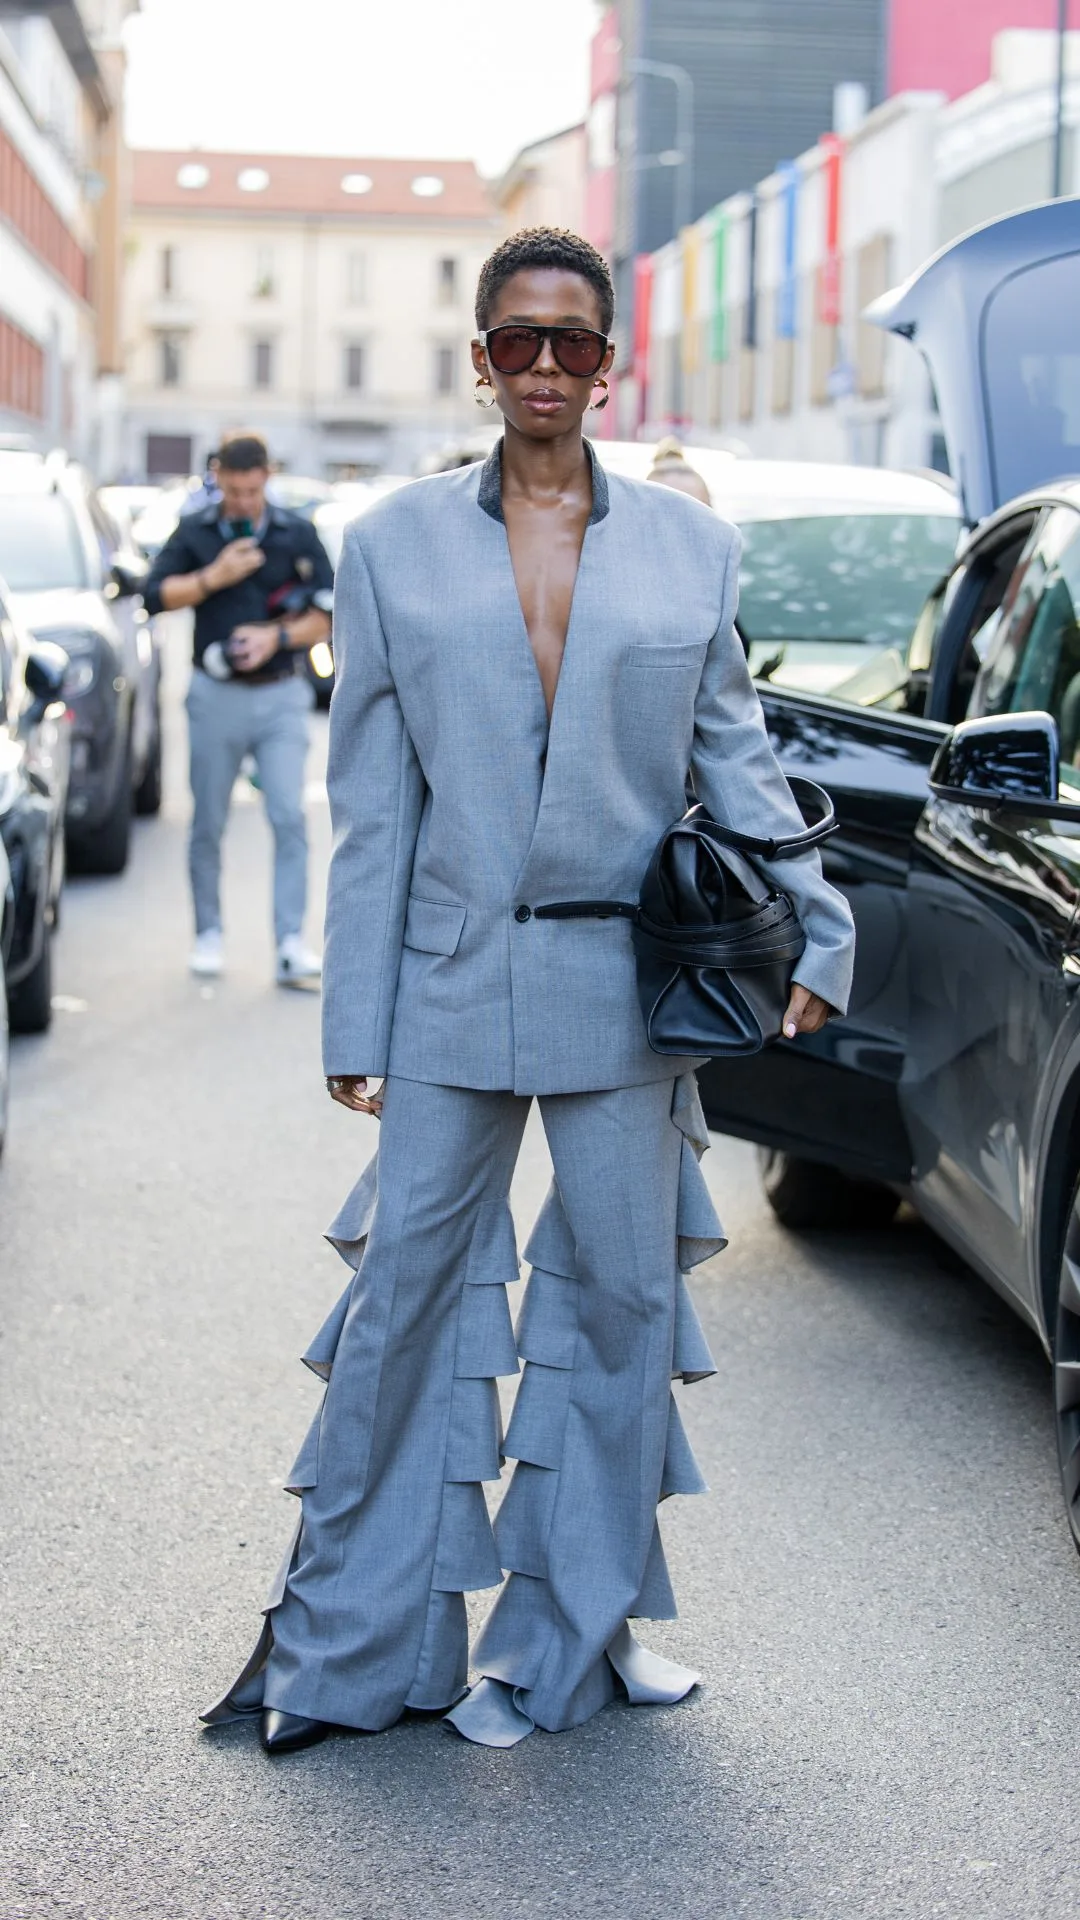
(715, 939)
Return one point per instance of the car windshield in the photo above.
(1031, 365)
(845, 577)
(39, 543)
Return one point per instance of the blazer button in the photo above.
(523, 914)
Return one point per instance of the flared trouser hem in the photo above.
(367, 1615)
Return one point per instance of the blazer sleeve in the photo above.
(738, 779)
(376, 792)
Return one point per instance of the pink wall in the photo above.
(946, 43)
(605, 55)
(605, 51)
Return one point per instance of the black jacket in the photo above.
(296, 574)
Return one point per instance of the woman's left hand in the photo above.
(806, 1013)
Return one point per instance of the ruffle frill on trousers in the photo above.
(465, 1556)
(557, 1646)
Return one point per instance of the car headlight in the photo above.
(80, 676)
(83, 648)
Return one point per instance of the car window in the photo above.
(1031, 370)
(984, 588)
(40, 545)
(850, 577)
(821, 594)
(1032, 661)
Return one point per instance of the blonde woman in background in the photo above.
(672, 469)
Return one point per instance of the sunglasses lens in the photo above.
(579, 351)
(512, 349)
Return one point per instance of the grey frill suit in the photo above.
(456, 810)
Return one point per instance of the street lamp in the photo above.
(681, 155)
(1059, 111)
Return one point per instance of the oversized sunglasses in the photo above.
(514, 349)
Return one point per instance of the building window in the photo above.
(354, 368)
(168, 269)
(446, 282)
(445, 370)
(262, 363)
(264, 273)
(170, 365)
(22, 371)
(356, 279)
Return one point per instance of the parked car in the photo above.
(34, 764)
(299, 493)
(837, 560)
(72, 582)
(955, 1076)
(152, 523)
(330, 519)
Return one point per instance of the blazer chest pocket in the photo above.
(686, 655)
(433, 926)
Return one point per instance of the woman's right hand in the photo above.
(350, 1090)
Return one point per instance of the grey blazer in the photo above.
(454, 810)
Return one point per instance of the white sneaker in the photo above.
(296, 964)
(206, 958)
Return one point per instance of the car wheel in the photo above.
(30, 1003)
(105, 848)
(148, 791)
(1067, 1368)
(4, 1060)
(804, 1194)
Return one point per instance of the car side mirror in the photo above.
(44, 673)
(126, 577)
(1009, 756)
(1007, 763)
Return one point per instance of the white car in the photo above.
(837, 560)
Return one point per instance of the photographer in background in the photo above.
(261, 586)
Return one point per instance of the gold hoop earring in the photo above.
(597, 406)
(483, 381)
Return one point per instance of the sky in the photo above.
(437, 79)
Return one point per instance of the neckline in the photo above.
(489, 496)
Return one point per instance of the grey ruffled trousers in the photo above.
(367, 1616)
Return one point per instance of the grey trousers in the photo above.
(368, 1614)
(227, 720)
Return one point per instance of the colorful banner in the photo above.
(691, 244)
(750, 309)
(788, 284)
(643, 288)
(829, 273)
(718, 340)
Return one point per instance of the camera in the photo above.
(291, 599)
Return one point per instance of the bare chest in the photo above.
(545, 553)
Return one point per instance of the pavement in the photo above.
(880, 1589)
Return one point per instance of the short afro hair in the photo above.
(545, 247)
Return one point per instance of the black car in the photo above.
(954, 1078)
(69, 584)
(34, 761)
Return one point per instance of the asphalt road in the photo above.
(880, 1589)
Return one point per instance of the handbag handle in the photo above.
(806, 794)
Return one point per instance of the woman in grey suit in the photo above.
(531, 657)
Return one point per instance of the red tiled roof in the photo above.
(308, 183)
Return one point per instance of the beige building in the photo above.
(326, 302)
(544, 185)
